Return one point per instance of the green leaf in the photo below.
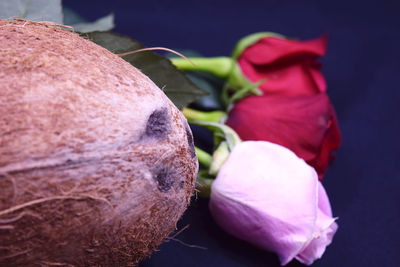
(102, 24)
(212, 85)
(173, 82)
(71, 17)
(36, 10)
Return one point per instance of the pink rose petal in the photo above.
(266, 195)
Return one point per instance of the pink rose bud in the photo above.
(266, 195)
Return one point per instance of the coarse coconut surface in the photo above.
(96, 164)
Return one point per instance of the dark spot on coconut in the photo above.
(165, 180)
(158, 124)
(189, 137)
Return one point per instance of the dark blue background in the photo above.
(363, 73)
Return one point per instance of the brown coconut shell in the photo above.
(96, 163)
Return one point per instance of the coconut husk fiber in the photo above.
(96, 163)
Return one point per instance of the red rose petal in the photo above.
(289, 66)
(307, 125)
(271, 49)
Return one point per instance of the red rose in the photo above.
(306, 124)
(294, 110)
(290, 67)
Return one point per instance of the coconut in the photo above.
(96, 163)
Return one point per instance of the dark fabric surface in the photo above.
(362, 71)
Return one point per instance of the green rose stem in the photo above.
(207, 116)
(203, 186)
(204, 158)
(218, 66)
(225, 68)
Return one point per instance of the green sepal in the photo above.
(219, 129)
(250, 39)
(246, 91)
(219, 157)
(238, 86)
